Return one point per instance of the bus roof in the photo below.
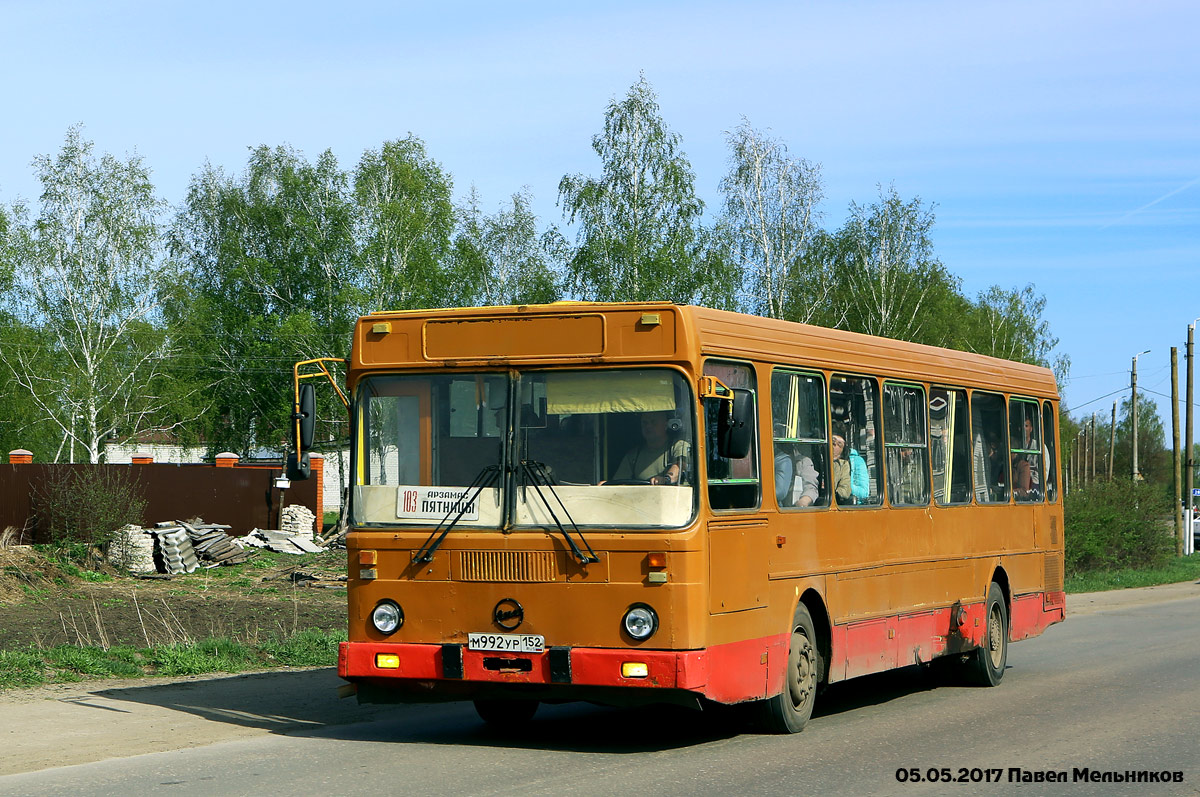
(707, 332)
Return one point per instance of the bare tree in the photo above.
(771, 218)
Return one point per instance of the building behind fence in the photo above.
(244, 496)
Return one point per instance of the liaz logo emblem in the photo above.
(508, 614)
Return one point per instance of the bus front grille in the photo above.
(519, 566)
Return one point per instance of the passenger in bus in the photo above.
(796, 481)
(850, 481)
(659, 459)
(1026, 476)
(996, 470)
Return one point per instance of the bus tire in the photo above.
(789, 711)
(506, 713)
(986, 665)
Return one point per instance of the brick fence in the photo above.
(244, 496)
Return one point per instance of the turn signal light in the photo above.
(634, 669)
(656, 561)
(368, 557)
(387, 661)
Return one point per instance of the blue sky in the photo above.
(1060, 141)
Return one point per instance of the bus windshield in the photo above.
(595, 448)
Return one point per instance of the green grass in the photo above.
(1185, 568)
(68, 663)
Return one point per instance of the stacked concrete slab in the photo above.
(299, 520)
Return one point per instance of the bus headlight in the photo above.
(387, 617)
(640, 622)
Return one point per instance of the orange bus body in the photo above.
(886, 586)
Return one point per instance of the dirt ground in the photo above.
(43, 603)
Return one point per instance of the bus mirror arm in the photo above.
(304, 414)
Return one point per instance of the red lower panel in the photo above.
(1033, 614)
(729, 673)
(883, 643)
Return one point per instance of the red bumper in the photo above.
(666, 669)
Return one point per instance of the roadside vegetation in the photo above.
(1118, 535)
(66, 616)
(68, 663)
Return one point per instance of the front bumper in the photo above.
(434, 668)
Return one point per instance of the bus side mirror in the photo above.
(303, 425)
(735, 427)
(306, 413)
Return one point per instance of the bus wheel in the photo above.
(986, 666)
(788, 711)
(506, 713)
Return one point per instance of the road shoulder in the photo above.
(1090, 602)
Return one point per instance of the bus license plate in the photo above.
(513, 643)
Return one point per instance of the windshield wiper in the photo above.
(535, 473)
(484, 479)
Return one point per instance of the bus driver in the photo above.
(658, 460)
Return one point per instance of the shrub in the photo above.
(1116, 524)
(86, 506)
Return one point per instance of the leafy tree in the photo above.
(404, 224)
(1154, 460)
(500, 259)
(772, 218)
(89, 269)
(639, 223)
(890, 282)
(22, 423)
(1010, 324)
(271, 279)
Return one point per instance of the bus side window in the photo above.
(1049, 441)
(989, 455)
(905, 441)
(1025, 449)
(949, 446)
(858, 469)
(732, 483)
(801, 449)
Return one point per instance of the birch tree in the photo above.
(771, 216)
(87, 269)
(638, 235)
(1010, 324)
(404, 227)
(888, 280)
(500, 259)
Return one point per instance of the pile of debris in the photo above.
(183, 547)
(281, 541)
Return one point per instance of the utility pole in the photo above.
(1133, 473)
(1093, 448)
(1188, 463)
(1175, 461)
(1087, 448)
(1112, 441)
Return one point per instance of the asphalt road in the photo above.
(1114, 689)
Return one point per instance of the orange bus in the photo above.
(646, 502)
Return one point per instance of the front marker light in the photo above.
(387, 617)
(640, 622)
